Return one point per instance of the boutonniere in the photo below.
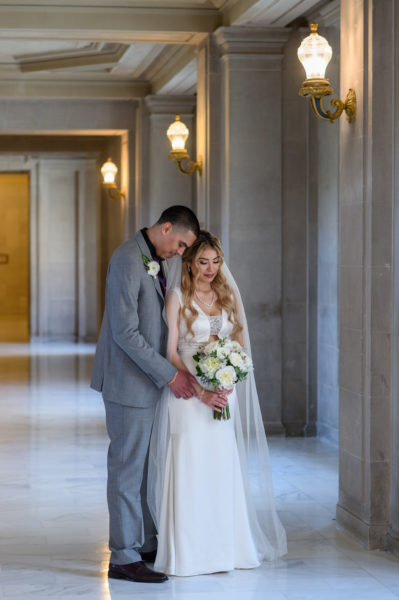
(151, 266)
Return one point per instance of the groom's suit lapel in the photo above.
(146, 251)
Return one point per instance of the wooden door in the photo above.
(14, 257)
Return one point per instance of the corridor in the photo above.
(53, 534)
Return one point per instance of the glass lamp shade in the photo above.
(177, 134)
(109, 171)
(314, 53)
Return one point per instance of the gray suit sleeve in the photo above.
(122, 291)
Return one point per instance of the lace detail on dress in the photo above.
(216, 324)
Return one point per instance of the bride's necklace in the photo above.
(208, 304)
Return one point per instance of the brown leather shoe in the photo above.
(136, 571)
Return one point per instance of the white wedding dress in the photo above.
(206, 522)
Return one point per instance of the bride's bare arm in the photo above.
(183, 385)
(173, 317)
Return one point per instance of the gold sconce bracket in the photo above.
(113, 192)
(181, 155)
(316, 90)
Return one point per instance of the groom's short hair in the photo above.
(182, 217)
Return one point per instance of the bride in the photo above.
(209, 486)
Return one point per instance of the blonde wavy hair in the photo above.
(225, 296)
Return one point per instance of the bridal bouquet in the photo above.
(221, 364)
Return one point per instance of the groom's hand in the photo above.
(182, 385)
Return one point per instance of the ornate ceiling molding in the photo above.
(117, 24)
(74, 89)
(132, 4)
(92, 54)
(266, 12)
(252, 40)
(171, 104)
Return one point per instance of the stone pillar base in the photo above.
(310, 429)
(294, 429)
(274, 428)
(372, 537)
(393, 543)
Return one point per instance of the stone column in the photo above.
(298, 172)
(209, 143)
(251, 96)
(165, 184)
(365, 275)
(325, 359)
(393, 536)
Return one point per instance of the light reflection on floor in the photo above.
(53, 535)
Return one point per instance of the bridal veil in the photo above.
(266, 527)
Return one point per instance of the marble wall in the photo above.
(367, 200)
(251, 177)
(65, 218)
(210, 146)
(393, 535)
(310, 150)
(327, 256)
(295, 234)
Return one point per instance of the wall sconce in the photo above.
(178, 134)
(109, 171)
(315, 54)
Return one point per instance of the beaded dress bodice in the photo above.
(216, 323)
(203, 327)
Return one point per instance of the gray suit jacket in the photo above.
(129, 365)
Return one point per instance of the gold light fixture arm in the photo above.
(113, 191)
(349, 106)
(181, 155)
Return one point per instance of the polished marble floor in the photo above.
(53, 531)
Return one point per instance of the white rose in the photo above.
(226, 377)
(236, 360)
(227, 344)
(235, 346)
(222, 352)
(211, 347)
(153, 268)
(210, 365)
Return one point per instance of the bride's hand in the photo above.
(224, 392)
(214, 400)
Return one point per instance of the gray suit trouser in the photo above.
(130, 524)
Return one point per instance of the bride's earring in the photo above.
(189, 269)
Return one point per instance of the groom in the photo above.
(130, 370)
